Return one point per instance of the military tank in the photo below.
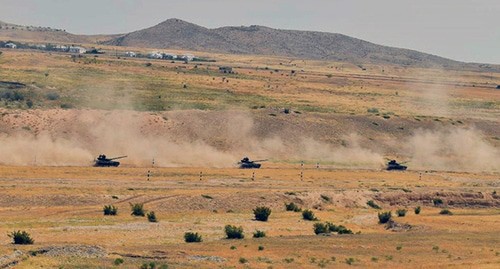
(393, 165)
(103, 161)
(246, 163)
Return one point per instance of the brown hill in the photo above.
(178, 34)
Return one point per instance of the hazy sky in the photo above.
(466, 30)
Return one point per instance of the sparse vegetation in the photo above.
(292, 207)
(259, 234)
(445, 212)
(243, 260)
(152, 217)
(233, 232)
(262, 213)
(110, 210)
(401, 212)
(309, 215)
(21, 238)
(384, 217)
(372, 204)
(417, 210)
(191, 237)
(138, 210)
(118, 261)
(437, 201)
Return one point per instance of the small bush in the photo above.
(321, 228)
(262, 213)
(110, 210)
(233, 232)
(326, 198)
(384, 217)
(372, 110)
(417, 210)
(292, 207)
(21, 238)
(401, 212)
(445, 212)
(190, 237)
(349, 260)
(372, 204)
(118, 261)
(52, 96)
(308, 215)
(137, 210)
(66, 106)
(243, 260)
(437, 201)
(259, 234)
(261, 248)
(152, 217)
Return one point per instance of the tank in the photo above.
(245, 163)
(103, 161)
(393, 165)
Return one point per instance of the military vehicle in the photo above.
(245, 163)
(103, 161)
(393, 165)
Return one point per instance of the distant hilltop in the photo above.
(257, 40)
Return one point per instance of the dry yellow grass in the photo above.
(63, 206)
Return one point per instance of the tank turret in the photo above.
(103, 161)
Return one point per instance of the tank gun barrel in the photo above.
(115, 158)
(261, 160)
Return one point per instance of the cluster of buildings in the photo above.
(170, 56)
(61, 48)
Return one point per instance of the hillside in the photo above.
(175, 33)
(9, 31)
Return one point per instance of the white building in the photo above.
(79, 50)
(11, 45)
(187, 57)
(130, 54)
(155, 55)
(61, 48)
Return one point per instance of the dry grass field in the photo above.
(192, 119)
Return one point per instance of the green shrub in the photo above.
(372, 204)
(138, 210)
(308, 215)
(152, 217)
(262, 213)
(259, 234)
(349, 260)
(328, 227)
(118, 261)
(326, 198)
(261, 248)
(110, 210)
(417, 210)
(437, 201)
(233, 232)
(445, 212)
(321, 228)
(21, 238)
(401, 212)
(243, 260)
(384, 217)
(190, 237)
(292, 207)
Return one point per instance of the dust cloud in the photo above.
(453, 150)
(176, 138)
